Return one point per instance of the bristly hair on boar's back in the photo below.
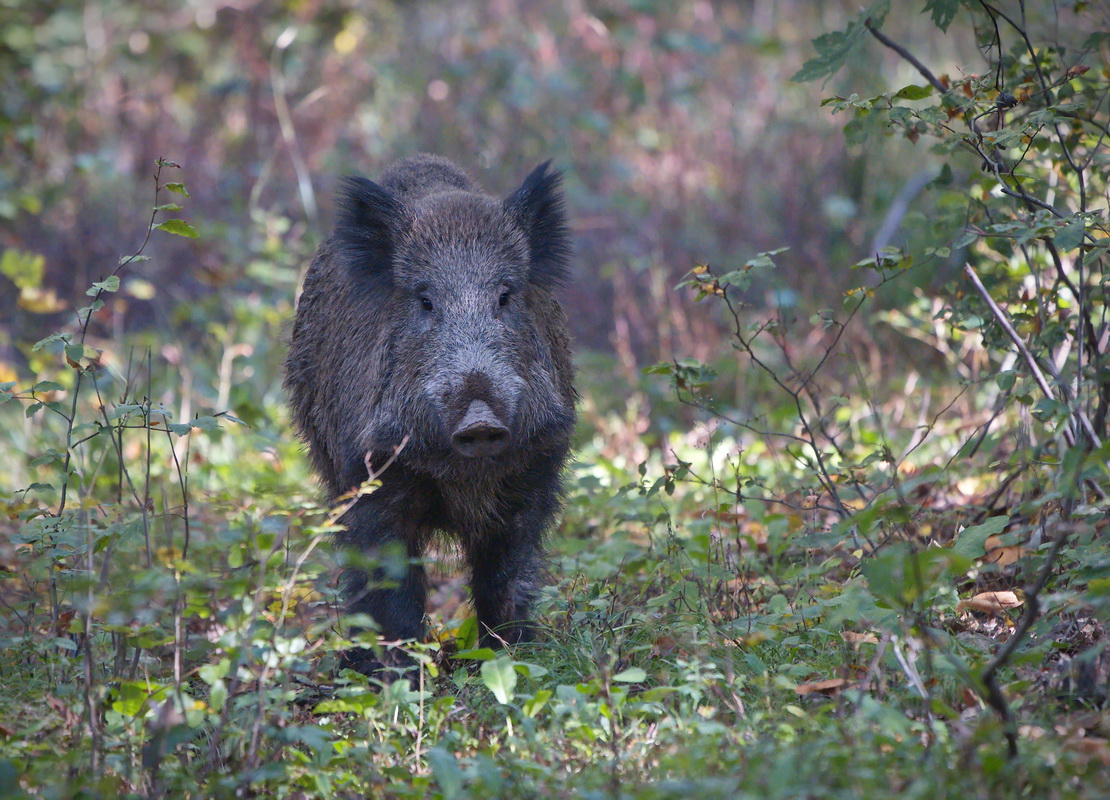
(429, 318)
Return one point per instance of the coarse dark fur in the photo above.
(430, 313)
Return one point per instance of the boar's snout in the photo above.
(480, 433)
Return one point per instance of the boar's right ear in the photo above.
(537, 207)
(370, 221)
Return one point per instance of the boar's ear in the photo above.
(370, 221)
(537, 207)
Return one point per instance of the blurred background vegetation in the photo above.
(832, 495)
(682, 138)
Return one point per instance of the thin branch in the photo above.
(1076, 413)
(906, 54)
(994, 696)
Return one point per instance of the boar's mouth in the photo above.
(480, 433)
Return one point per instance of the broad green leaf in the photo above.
(1070, 236)
(499, 676)
(529, 670)
(972, 541)
(210, 673)
(178, 187)
(534, 704)
(466, 638)
(899, 575)
(131, 696)
(359, 704)
(630, 675)
(942, 12)
(54, 337)
(109, 284)
(178, 227)
(912, 92)
(833, 49)
(445, 769)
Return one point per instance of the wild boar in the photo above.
(429, 317)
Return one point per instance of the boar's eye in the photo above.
(504, 299)
(426, 304)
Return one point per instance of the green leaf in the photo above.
(445, 769)
(47, 386)
(499, 676)
(943, 12)
(85, 312)
(131, 696)
(177, 227)
(898, 575)
(1070, 236)
(972, 541)
(210, 673)
(167, 207)
(217, 695)
(51, 456)
(179, 188)
(534, 704)
(109, 284)
(630, 675)
(912, 92)
(355, 704)
(833, 49)
(54, 337)
(1047, 409)
(466, 638)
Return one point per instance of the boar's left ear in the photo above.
(537, 207)
(370, 222)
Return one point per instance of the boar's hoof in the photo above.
(480, 433)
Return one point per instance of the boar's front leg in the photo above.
(396, 602)
(505, 567)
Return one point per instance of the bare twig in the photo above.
(994, 695)
(906, 54)
(1004, 321)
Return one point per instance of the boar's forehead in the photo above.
(461, 237)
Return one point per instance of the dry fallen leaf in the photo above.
(1090, 748)
(1002, 555)
(991, 602)
(831, 686)
(851, 637)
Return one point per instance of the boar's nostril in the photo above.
(480, 433)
